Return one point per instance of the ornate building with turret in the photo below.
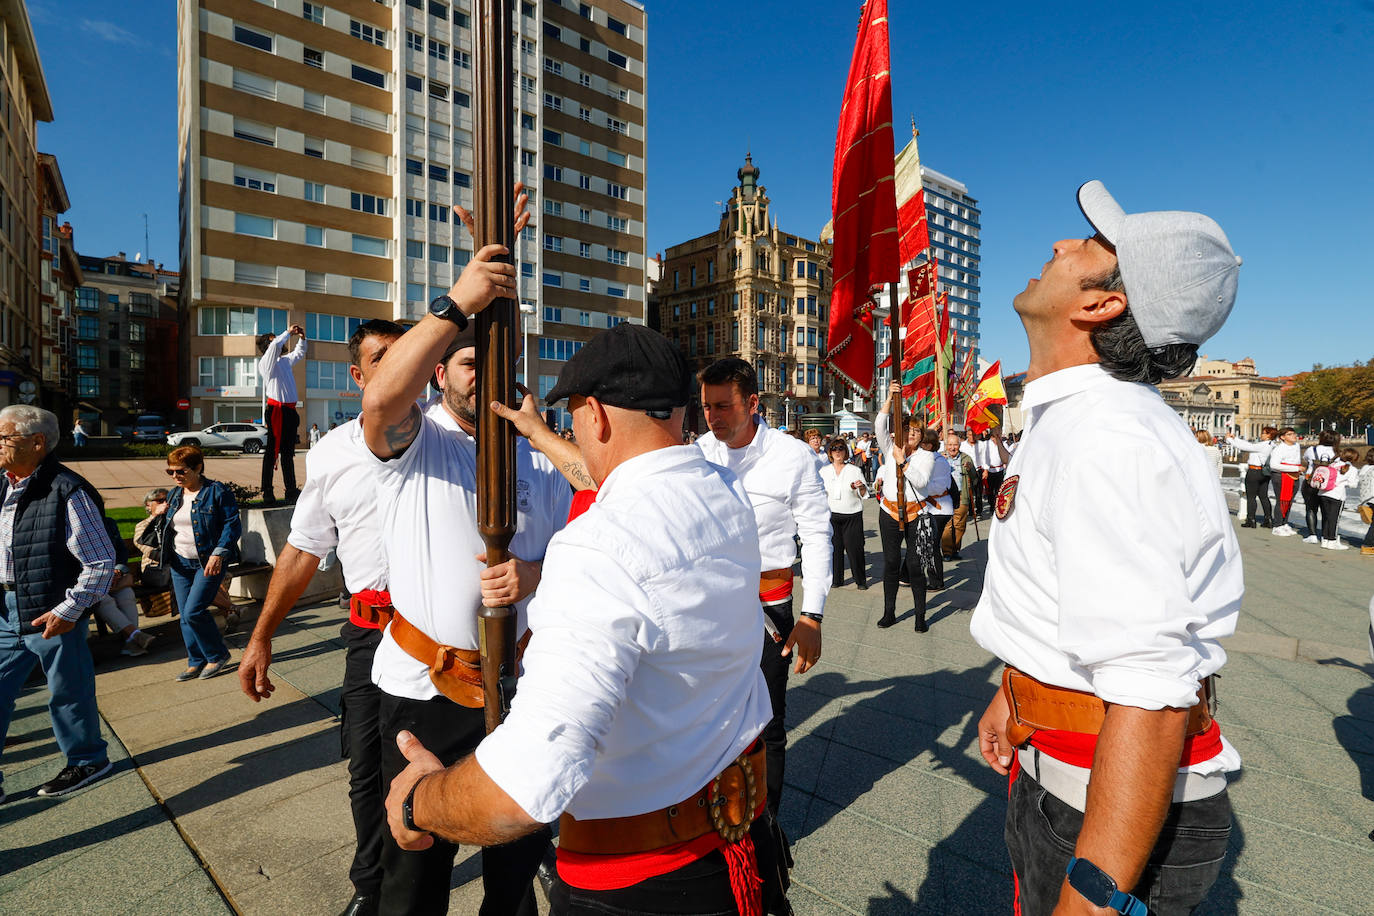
(752, 290)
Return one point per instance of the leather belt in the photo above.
(772, 579)
(456, 673)
(913, 509)
(727, 806)
(377, 615)
(1036, 705)
(1069, 783)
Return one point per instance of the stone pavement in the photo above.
(219, 804)
(124, 481)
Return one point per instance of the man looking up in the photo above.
(337, 510)
(783, 481)
(1110, 583)
(277, 371)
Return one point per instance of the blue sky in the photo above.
(1255, 113)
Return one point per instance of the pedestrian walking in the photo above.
(199, 536)
(897, 529)
(783, 481)
(78, 433)
(845, 490)
(1285, 469)
(277, 371)
(1318, 456)
(1110, 583)
(337, 511)
(962, 471)
(427, 479)
(56, 561)
(314, 435)
(1257, 474)
(637, 720)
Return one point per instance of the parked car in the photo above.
(250, 437)
(149, 428)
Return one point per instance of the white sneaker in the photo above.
(1311, 539)
(1283, 531)
(1337, 544)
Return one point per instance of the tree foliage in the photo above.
(1336, 394)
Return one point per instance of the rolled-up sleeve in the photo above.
(1129, 536)
(90, 545)
(578, 667)
(811, 512)
(313, 529)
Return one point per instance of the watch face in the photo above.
(440, 306)
(1094, 884)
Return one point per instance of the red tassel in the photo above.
(744, 876)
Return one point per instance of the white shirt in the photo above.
(642, 679)
(839, 489)
(1317, 453)
(917, 477)
(1116, 577)
(987, 456)
(337, 508)
(967, 448)
(1258, 451)
(183, 535)
(429, 532)
(1286, 458)
(941, 479)
(783, 481)
(1349, 477)
(276, 371)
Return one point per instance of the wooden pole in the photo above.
(493, 142)
(895, 320)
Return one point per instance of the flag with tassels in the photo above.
(863, 201)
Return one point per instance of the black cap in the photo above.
(628, 366)
(466, 337)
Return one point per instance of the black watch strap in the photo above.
(408, 809)
(812, 616)
(446, 308)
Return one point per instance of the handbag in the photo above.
(927, 551)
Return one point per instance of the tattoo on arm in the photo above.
(400, 435)
(576, 471)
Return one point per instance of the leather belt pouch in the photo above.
(1036, 705)
(728, 805)
(456, 673)
(378, 615)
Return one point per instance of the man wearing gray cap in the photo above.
(1108, 585)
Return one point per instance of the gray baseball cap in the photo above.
(1178, 267)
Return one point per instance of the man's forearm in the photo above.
(1134, 770)
(462, 804)
(389, 399)
(565, 455)
(293, 573)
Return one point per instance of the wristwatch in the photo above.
(408, 807)
(445, 308)
(812, 616)
(1098, 888)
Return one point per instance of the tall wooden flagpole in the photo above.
(896, 319)
(493, 140)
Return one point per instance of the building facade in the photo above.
(24, 101)
(756, 292)
(60, 271)
(323, 145)
(1258, 400)
(127, 341)
(1197, 404)
(955, 224)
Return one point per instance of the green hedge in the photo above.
(98, 450)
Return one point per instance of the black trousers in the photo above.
(776, 667)
(290, 424)
(361, 737)
(1255, 489)
(1331, 516)
(894, 538)
(700, 888)
(418, 882)
(847, 536)
(1311, 500)
(992, 486)
(975, 483)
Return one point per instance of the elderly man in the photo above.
(56, 561)
(1109, 584)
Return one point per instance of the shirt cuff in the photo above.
(1144, 690)
(220, 552)
(506, 757)
(68, 611)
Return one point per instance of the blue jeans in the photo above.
(1041, 832)
(67, 664)
(194, 590)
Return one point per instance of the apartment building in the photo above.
(752, 290)
(24, 101)
(323, 145)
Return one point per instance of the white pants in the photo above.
(119, 609)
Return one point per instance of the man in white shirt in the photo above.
(1110, 583)
(783, 481)
(337, 510)
(970, 447)
(277, 371)
(641, 693)
(426, 664)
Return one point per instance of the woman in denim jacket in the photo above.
(200, 538)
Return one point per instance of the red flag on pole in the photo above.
(863, 200)
(911, 203)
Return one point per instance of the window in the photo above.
(584, 182)
(330, 328)
(415, 292)
(584, 216)
(414, 41)
(255, 274)
(438, 253)
(261, 226)
(314, 235)
(254, 39)
(462, 59)
(112, 298)
(553, 172)
(615, 158)
(526, 270)
(415, 248)
(368, 203)
(553, 31)
(527, 158)
(328, 375)
(584, 285)
(553, 279)
(616, 256)
(615, 25)
(553, 207)
(369, 289)
(553, 101)
(558, 349)
(366, 244)
(314, 101)
(552, 314)
(221, 321)
(253, 84)
(462, 100)
(528, 85)
(617, 59)
(438, 9)
(462, 20)
(584, 249)
(526, 121)
(619, 224)
(438, 50)
(88, 327)
(553, 66)
(553, 137)
(314, 192)
(414, 167)
(88, 299)
(615, 125)
(464, 180)
(371, 77)
(584, 113)
(438, 213)
(415, 208)
(438, 91)
(314, 147)
(438, 172)
(368, 33)
(254, 132)
(553, 243)
(313, 11)
(88, 385)
(617, 191)
(312, 58)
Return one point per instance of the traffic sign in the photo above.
(183, 404)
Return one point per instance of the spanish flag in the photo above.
(979, 414)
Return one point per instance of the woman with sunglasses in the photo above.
(199, 533)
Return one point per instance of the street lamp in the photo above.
(526, 310)
(786, 408)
